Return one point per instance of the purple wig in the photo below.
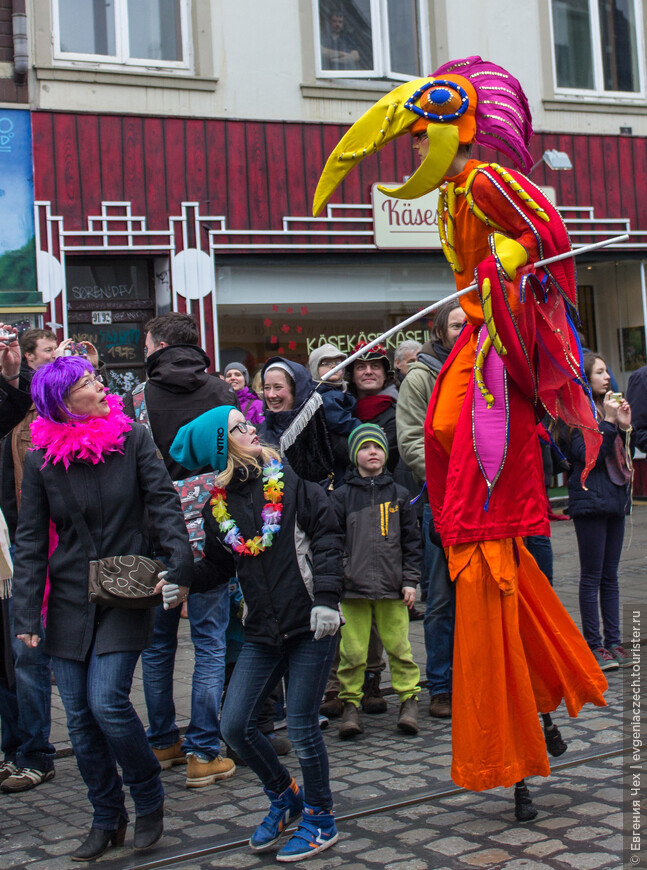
(503, 119)
(51, 386)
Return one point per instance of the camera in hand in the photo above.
(75, 349)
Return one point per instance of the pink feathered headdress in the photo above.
(503, 120)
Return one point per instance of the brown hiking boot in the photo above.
(372, 702)
(440, 705)
(170, 756)
(350, 725)
(332, 707)
(200, 773)
(408, 718)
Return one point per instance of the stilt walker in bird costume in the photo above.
(516, 650)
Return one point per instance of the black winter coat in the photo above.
(113, 496)
(637, 398)
(302, 568)
(177, 391)
(15, 399)
(383, 550)
(602, 495)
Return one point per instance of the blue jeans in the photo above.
(439, 615)
(541, 549)
(105, 731)
(258, 669)
(208, 619)
(599, 540)
(25, 707)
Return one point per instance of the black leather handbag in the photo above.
(114, 581)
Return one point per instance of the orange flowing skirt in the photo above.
(517, 652)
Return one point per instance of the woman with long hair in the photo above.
(284, 539)
(88, 452)
(598, 513)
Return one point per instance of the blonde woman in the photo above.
(282, 534)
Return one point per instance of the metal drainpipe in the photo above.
(20, 52)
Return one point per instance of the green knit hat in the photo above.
(362, 435)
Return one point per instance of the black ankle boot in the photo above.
(555, 743)
(148, 829)
(524, 810)
(98, 841)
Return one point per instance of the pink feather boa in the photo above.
(89, 440)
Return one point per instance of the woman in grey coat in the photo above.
(88, 451)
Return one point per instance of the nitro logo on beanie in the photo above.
(221, 443)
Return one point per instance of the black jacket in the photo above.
(177, 391)
(113, 496)
(602, 495)
(15, 399)
(301, 569)
(637, 398)
(383, 550)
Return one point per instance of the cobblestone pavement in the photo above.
(579, 824)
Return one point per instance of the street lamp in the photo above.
(554, 159)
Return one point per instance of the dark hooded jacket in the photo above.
(177, 391)
(602, 495)
(383, 549)
(277, 422)
(302, 568)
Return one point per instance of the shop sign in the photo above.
(101, 317)
(18, 284)
(345, 343)
(405, 223)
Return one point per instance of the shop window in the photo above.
(597, 46)
(371, 38)
(586, 310)
(110, 299)
(140, 32)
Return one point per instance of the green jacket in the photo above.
(411, 411)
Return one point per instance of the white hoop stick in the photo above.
(614, 240)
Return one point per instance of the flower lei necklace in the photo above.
(271, 513)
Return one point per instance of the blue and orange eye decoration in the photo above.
(449, 100)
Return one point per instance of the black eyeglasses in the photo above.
(242, 427)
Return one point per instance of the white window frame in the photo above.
(381, 45)
(121, 57)
(598, 89)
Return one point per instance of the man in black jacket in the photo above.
(25, 702)
(178, 390)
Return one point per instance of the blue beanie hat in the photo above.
(362, 435)
(203, 441)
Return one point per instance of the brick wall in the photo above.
(10, 92)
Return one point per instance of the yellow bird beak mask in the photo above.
(465, 100)
(443, 108)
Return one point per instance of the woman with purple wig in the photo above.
(87, 451)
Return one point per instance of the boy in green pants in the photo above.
(382, 560)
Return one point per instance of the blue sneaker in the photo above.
(284, 809)
(316, 832)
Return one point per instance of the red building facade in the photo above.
(144, 213)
